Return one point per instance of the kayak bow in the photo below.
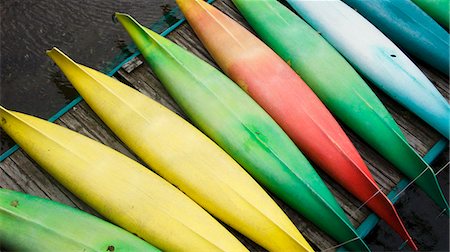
(185, 157)
(118, 187)
(30, 223)
(235, 122)
(337, 84)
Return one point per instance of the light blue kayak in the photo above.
(336, 22)
(410, 28)
(377, 58)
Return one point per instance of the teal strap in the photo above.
(371, 221)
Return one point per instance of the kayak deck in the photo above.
(20, 173)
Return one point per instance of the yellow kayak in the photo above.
(185, 157)
(119, 188)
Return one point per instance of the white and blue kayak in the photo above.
(377, 58)
(409, 27)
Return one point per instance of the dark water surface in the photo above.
(84, 30)
(422, 218)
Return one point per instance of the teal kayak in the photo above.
(224, 112)
(410, 28)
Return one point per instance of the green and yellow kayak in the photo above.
(242, 128)
(30, 223)
(185, 157)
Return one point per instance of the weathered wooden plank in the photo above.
(30, 178)
(230, 9)
(84, 121)
(383, 172)
(17, 178)
(146, 82)
(419, 135)
(10, 182)
(185, 37)
(436, 77)
(132, 64)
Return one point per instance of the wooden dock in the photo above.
(20, 173)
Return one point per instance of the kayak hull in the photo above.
(336, 83)
(183, 156)
(378, 59)
(29, 222)
(117, 187)
(437, 9)
(372, 54)
(410, 28)
(234, 121)
(276, 88)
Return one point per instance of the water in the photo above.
(422, 219)
(85, 31)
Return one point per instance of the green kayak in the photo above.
(244, 130)
(437, 9)
(30, 223)
(338, 85)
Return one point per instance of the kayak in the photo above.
(378, 59)
(215, 104)
(118, 187)
(336, 83)
(30, 223)
(382, 62)
(437, 9)
(410, 28)
(185, 157)
(280, 91)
